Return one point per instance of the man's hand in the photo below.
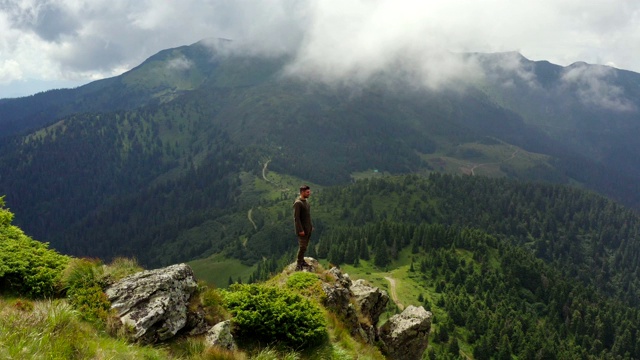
(301, 233)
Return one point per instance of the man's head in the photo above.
(305, 191)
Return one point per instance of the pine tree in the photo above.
(364, 250)
(454, 347)
(335, 255)
(350, 252)
(381, 258)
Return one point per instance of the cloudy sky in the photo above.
(48, 44)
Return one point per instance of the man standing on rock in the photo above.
(303, 225)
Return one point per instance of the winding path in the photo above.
(392, 290)
(264, 171)
(250, 217)
(264, 176)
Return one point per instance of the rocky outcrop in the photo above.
(153, 304)
(313, 265)
(371, 300)
(358, 304)
(406, 335)
(220, 336)
(338, 298)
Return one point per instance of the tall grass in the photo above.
(121, 267)
(52, 329)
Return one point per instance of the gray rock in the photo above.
(313, 265)
(197, 322)
(220, 336)
(338, 299)
(154, 304)
(371, 300)
(406, 335)
(368, 333)
(342, 279)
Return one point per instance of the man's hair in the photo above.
(304, 188)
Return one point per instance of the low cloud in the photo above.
(335, 41)
(179, 63)
(351, 44)
(594, 85)
(507, 68)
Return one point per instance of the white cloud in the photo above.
(593, 85)
(73, 39)
(179, 63)
(9, 71)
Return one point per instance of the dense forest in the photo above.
(591, 238)
(89, 184)
(84, 168)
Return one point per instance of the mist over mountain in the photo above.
(168, 145)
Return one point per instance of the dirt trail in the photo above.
(264, 171)
(264, 176)
(392, 290)
(250, 217)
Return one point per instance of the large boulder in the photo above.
(153, 304)
(406, 335)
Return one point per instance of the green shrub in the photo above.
(27, 266)
(308, 284)
(302, 280)
(271, 314)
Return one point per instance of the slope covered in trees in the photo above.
(144, 163)
(588, 237)
(531, 270)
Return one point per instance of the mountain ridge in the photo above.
(181, 129)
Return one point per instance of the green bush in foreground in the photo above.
(307, 284)
(27, 267)
(271, 314)
(302, 280)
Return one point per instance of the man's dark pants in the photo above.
(303, 242)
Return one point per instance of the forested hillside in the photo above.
(156, 163)
(531, 270)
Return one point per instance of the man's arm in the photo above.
(296, 216)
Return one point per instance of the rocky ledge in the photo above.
(153, 306)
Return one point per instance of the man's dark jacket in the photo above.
(302, 216)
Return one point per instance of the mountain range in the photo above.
(131, 164)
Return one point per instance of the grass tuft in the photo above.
(273, 354)
(122, 267)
